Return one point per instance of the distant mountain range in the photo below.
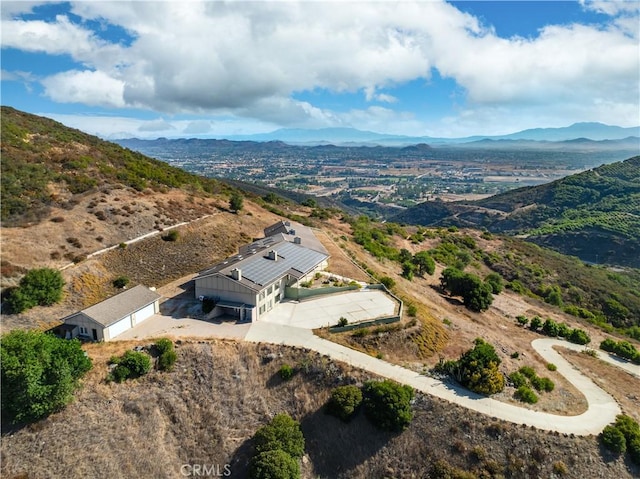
(354, 137)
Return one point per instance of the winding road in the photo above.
(602, 408)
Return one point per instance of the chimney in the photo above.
(297, 240)
(273, 254)
(236, 274)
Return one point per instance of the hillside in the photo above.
(221, 391)
(47, 165)
(594, 215)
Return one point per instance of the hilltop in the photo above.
(594, 215)
(220, 392)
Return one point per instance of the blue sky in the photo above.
(215, 69)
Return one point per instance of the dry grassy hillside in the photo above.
(206, 411)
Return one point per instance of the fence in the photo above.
(364, 324)
(305, 293)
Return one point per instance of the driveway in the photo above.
(291, 323)
(602, 408)
(327, 310)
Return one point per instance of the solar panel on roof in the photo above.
(263, 271)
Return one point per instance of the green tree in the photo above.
(274, 464)
(40, 373)
(166, 354)
(236, 202)
(344, 402)
(388, 404)
(579, 336)
(39, 287)
(120, 282)
(281, 433)
(424, 263)
(476, 295)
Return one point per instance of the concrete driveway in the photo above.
(327, 310)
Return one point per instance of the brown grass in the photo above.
(207, 409)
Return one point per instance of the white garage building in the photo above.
(106, 320)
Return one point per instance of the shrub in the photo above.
(579, 336)
(274, 464)
(172, 235)
(560, 468)
(542, 384)
(527, 371)
(477, 369)
(120, 282)
(613, 439)
(39, 374)
(412, 310)
(535, 324)
(133, 364)
(286, 372)
(236, 202)
(167, 354)
(518, 379)
(345, 402)
(495, 281)
(387, 404)
(281, 433)
(388, 282)
(343, 321)
(39, 287)
(552, 367)
(522, 320)
(525, 394)
(167, 360)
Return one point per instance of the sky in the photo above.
(214, 69)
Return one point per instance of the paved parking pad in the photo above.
(327, 310)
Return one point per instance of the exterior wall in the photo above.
(83, 322)
(221, 287)
(148, 311)
(270, 296)
(118, 327)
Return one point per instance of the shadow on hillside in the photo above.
(335, 447)
(239, 462)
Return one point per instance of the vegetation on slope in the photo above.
(45, 163)
(594, 214)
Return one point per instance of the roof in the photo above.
(258, 270)
(119, 306)
(289, 230)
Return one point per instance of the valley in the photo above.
(221, 390)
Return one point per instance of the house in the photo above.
(111, 317)
(254, 281)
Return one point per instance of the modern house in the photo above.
(253, 282)
(111, 317)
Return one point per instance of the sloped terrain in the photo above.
(594, 215)
(206, 411)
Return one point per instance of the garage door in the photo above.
(144, 313)
(119, 327)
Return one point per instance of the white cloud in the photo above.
(94, 88)
(246, 60)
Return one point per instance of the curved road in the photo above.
(602, 408)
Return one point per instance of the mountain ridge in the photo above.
(594, 215)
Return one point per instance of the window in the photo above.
(270, 290)
(262, 309)
(262, 295)
(83, 330)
